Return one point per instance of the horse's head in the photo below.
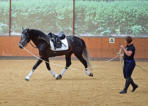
(25, 38)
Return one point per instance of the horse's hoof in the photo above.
(26, 79)
(91, 74)
(59, 77)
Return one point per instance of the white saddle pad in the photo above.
(64, 47)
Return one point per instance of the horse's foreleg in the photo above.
(33, 69)
(68, 63)
(48, 67)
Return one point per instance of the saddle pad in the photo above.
(64, 47)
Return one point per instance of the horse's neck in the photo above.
(38, 39)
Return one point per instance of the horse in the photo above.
(77, 47)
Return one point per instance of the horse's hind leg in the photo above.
(84, 62)
(68, 63)
(33, 69)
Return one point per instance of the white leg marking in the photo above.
(63, 71)
(87, 72)
(54, 74)
(29, 75)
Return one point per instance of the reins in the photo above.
(45, 60)
(32, 45)
(119, 54)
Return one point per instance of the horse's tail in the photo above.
(86, 55)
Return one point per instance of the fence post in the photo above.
(10, 18)
(73, 17)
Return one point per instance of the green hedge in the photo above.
(96, 17)
(47, 15)
(118, 17)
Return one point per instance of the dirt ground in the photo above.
(75, 89)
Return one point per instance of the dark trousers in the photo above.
(128, 69)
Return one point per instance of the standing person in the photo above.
(129, 64)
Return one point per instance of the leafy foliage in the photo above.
(117, 17)
(47, 15)
(97, 17)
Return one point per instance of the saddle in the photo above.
(57, 40)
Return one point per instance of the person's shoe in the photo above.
(134, 88)
(123, 92)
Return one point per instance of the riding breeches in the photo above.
(128, 68)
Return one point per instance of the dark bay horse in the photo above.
(41, 40)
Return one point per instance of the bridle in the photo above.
(28, 37)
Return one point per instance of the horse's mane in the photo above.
(34, 33)
(37, 32)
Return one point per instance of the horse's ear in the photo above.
(28, 29)
(50, 33)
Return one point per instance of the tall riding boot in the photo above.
(133, 85)
(127, 83)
